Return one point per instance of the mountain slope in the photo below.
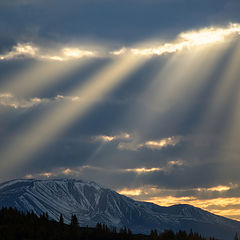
(92, 203)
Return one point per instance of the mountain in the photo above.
(93, 203)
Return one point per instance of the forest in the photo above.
(16, 225)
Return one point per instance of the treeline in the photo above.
(15, 225)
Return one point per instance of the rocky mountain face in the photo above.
(92, 203)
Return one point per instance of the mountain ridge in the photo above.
(93, 203)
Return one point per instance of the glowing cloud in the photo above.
(191, 39)
(168, 167)
(21, 50)
(219, 188)
(77, 53)
(121, 51)
(29, 50)
(162, 143)
(105, 138)
(134, 145)
(176, 86)
(207, 204)
(225, 206)
(143, 170)
(175, 163)
(46, 174)
(67, 171)
(185, 40)
(128, 192)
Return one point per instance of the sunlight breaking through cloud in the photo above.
(185, 40)
(163, 143)
(219, 188)
(130, 192)
(166, 168)
(224, 206)
(29, 50)
(169, 90)
(21, 50)
(105, 138)
(143, 170)
(206, 204)
(43, 131)
(77, 53)
(134, 144)
(191, 39)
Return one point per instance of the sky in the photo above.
(140, 96)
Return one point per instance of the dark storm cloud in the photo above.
(73, 148)
(189, 167)
(109, 20)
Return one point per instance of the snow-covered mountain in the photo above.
(93, 203)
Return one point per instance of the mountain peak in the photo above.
(93, 203)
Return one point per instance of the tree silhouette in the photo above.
(61, 221)
(236, 237)
(15, 225)
(74, 221)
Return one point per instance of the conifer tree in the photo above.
(61, 221)
(236, 237)
(74, 221)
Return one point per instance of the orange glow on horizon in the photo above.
(133, 192)
(226, 207)
(217, 206)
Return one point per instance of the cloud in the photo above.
(185, 40)
(224, 206)
(150, 144)
(77, 53)
(121, 51)
(143, 170)
(214, 198)
(106, 138)
(52, 123)
(63, 172)
(21, 50)
(130, 192)
(162, 143)
(191, 39)
(166, 168)
(219, 188)
(155, 192)
(8, 100)
(30, 50)
(83, 171)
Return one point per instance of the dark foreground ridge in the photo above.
(15, 225)
(92, 204)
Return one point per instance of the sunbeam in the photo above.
(229, 88)
(222, 109)
(39, 76)
(56, 120)
(223, 90)
(177, 85)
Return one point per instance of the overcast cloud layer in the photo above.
(140, 96)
